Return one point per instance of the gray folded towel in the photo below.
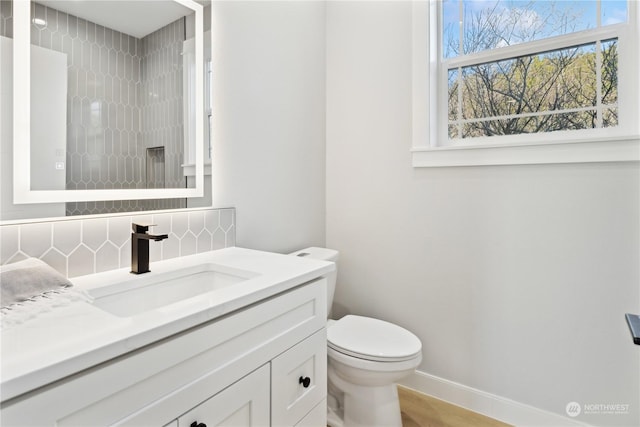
(26, 279)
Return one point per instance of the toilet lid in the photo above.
(372, 339)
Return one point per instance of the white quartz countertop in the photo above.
(77, 336)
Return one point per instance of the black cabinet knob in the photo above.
(196, 424)
(305, 381)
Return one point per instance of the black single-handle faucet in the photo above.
(140, 247)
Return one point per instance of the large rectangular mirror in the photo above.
(108, 102)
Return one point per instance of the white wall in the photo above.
(515, 278)
(269, 122)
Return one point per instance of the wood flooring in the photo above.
(420, 410)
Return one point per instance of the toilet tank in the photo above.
(323, 254)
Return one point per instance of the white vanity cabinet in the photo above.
(261, 365)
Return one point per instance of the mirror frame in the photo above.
(22, 192)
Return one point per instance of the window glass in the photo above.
(613, 12)
(471, 26)
(546, 92)
(570, 85)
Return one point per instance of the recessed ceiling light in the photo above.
(39, 21)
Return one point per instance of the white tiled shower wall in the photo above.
(76, 247)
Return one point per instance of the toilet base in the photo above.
(363, 406)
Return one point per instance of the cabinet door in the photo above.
(244, 403)
(299, 379)
(317, 417)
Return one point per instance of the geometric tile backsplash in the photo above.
(79, 246)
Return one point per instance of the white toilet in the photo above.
(366, 357)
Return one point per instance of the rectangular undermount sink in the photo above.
(141, 294)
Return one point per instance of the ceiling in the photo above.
(133, 17)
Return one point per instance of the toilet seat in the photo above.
(352, 362)
(372, 339)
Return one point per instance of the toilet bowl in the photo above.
(366, 357)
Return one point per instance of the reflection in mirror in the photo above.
(109, 99)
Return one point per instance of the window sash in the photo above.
(438, 82)
(599, 108)
(429, 149)
(534, 114)
(535, 47)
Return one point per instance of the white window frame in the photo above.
(429, 145)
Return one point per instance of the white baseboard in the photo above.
(499, 408)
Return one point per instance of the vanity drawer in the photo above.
(299, 379)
